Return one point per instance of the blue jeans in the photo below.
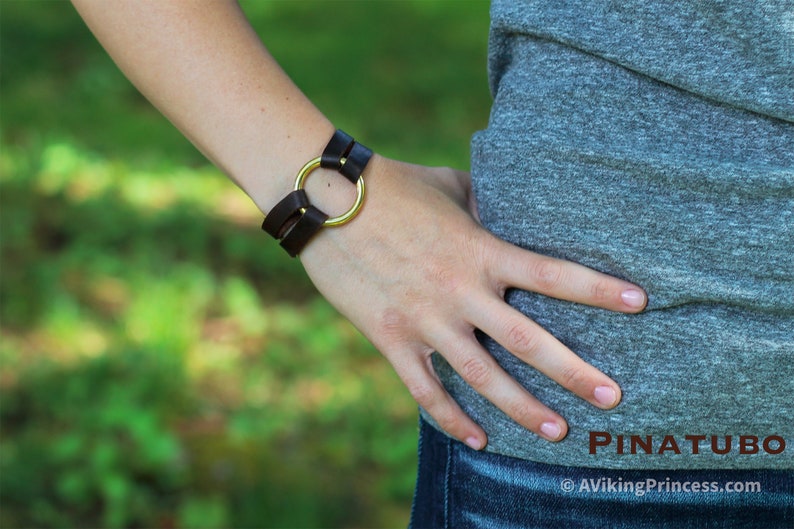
(458, 488)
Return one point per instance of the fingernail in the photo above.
(551, 430)
(605, 395)
(633, 298)
(474, 443)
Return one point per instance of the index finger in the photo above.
(557, 278)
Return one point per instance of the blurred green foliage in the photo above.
(163, 364)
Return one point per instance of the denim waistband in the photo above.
(461, 488)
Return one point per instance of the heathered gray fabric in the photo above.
(653, 141)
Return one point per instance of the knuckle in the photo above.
(450, 422)
(477, 372)
(520, 411)
(423, 394)
(574, 377)
(393, 323)
(483, 250)
(521, 339)
(601, 291)
(446, 415)
(548, 273)
(444, 276)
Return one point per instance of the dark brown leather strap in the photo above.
(356, 161)
(340, 144)
(307, 226)
(285, 213)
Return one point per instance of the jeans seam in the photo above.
(420, 445)
(447, 480)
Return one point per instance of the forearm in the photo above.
(202, 66)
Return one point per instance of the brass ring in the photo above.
(345, 217)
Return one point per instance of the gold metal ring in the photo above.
(346, 217)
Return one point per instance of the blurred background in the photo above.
(165, 364)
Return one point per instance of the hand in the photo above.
(416, 273)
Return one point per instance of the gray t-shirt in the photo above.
(653, 141)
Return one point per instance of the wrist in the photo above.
(296, 219)
(269, 172)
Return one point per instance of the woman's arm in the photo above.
(415, 272)
(202, 65)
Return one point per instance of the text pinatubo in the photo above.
(603, 442)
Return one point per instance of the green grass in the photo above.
(164, 364)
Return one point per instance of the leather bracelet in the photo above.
(285, 214)
(293, 220)
(307, 226)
